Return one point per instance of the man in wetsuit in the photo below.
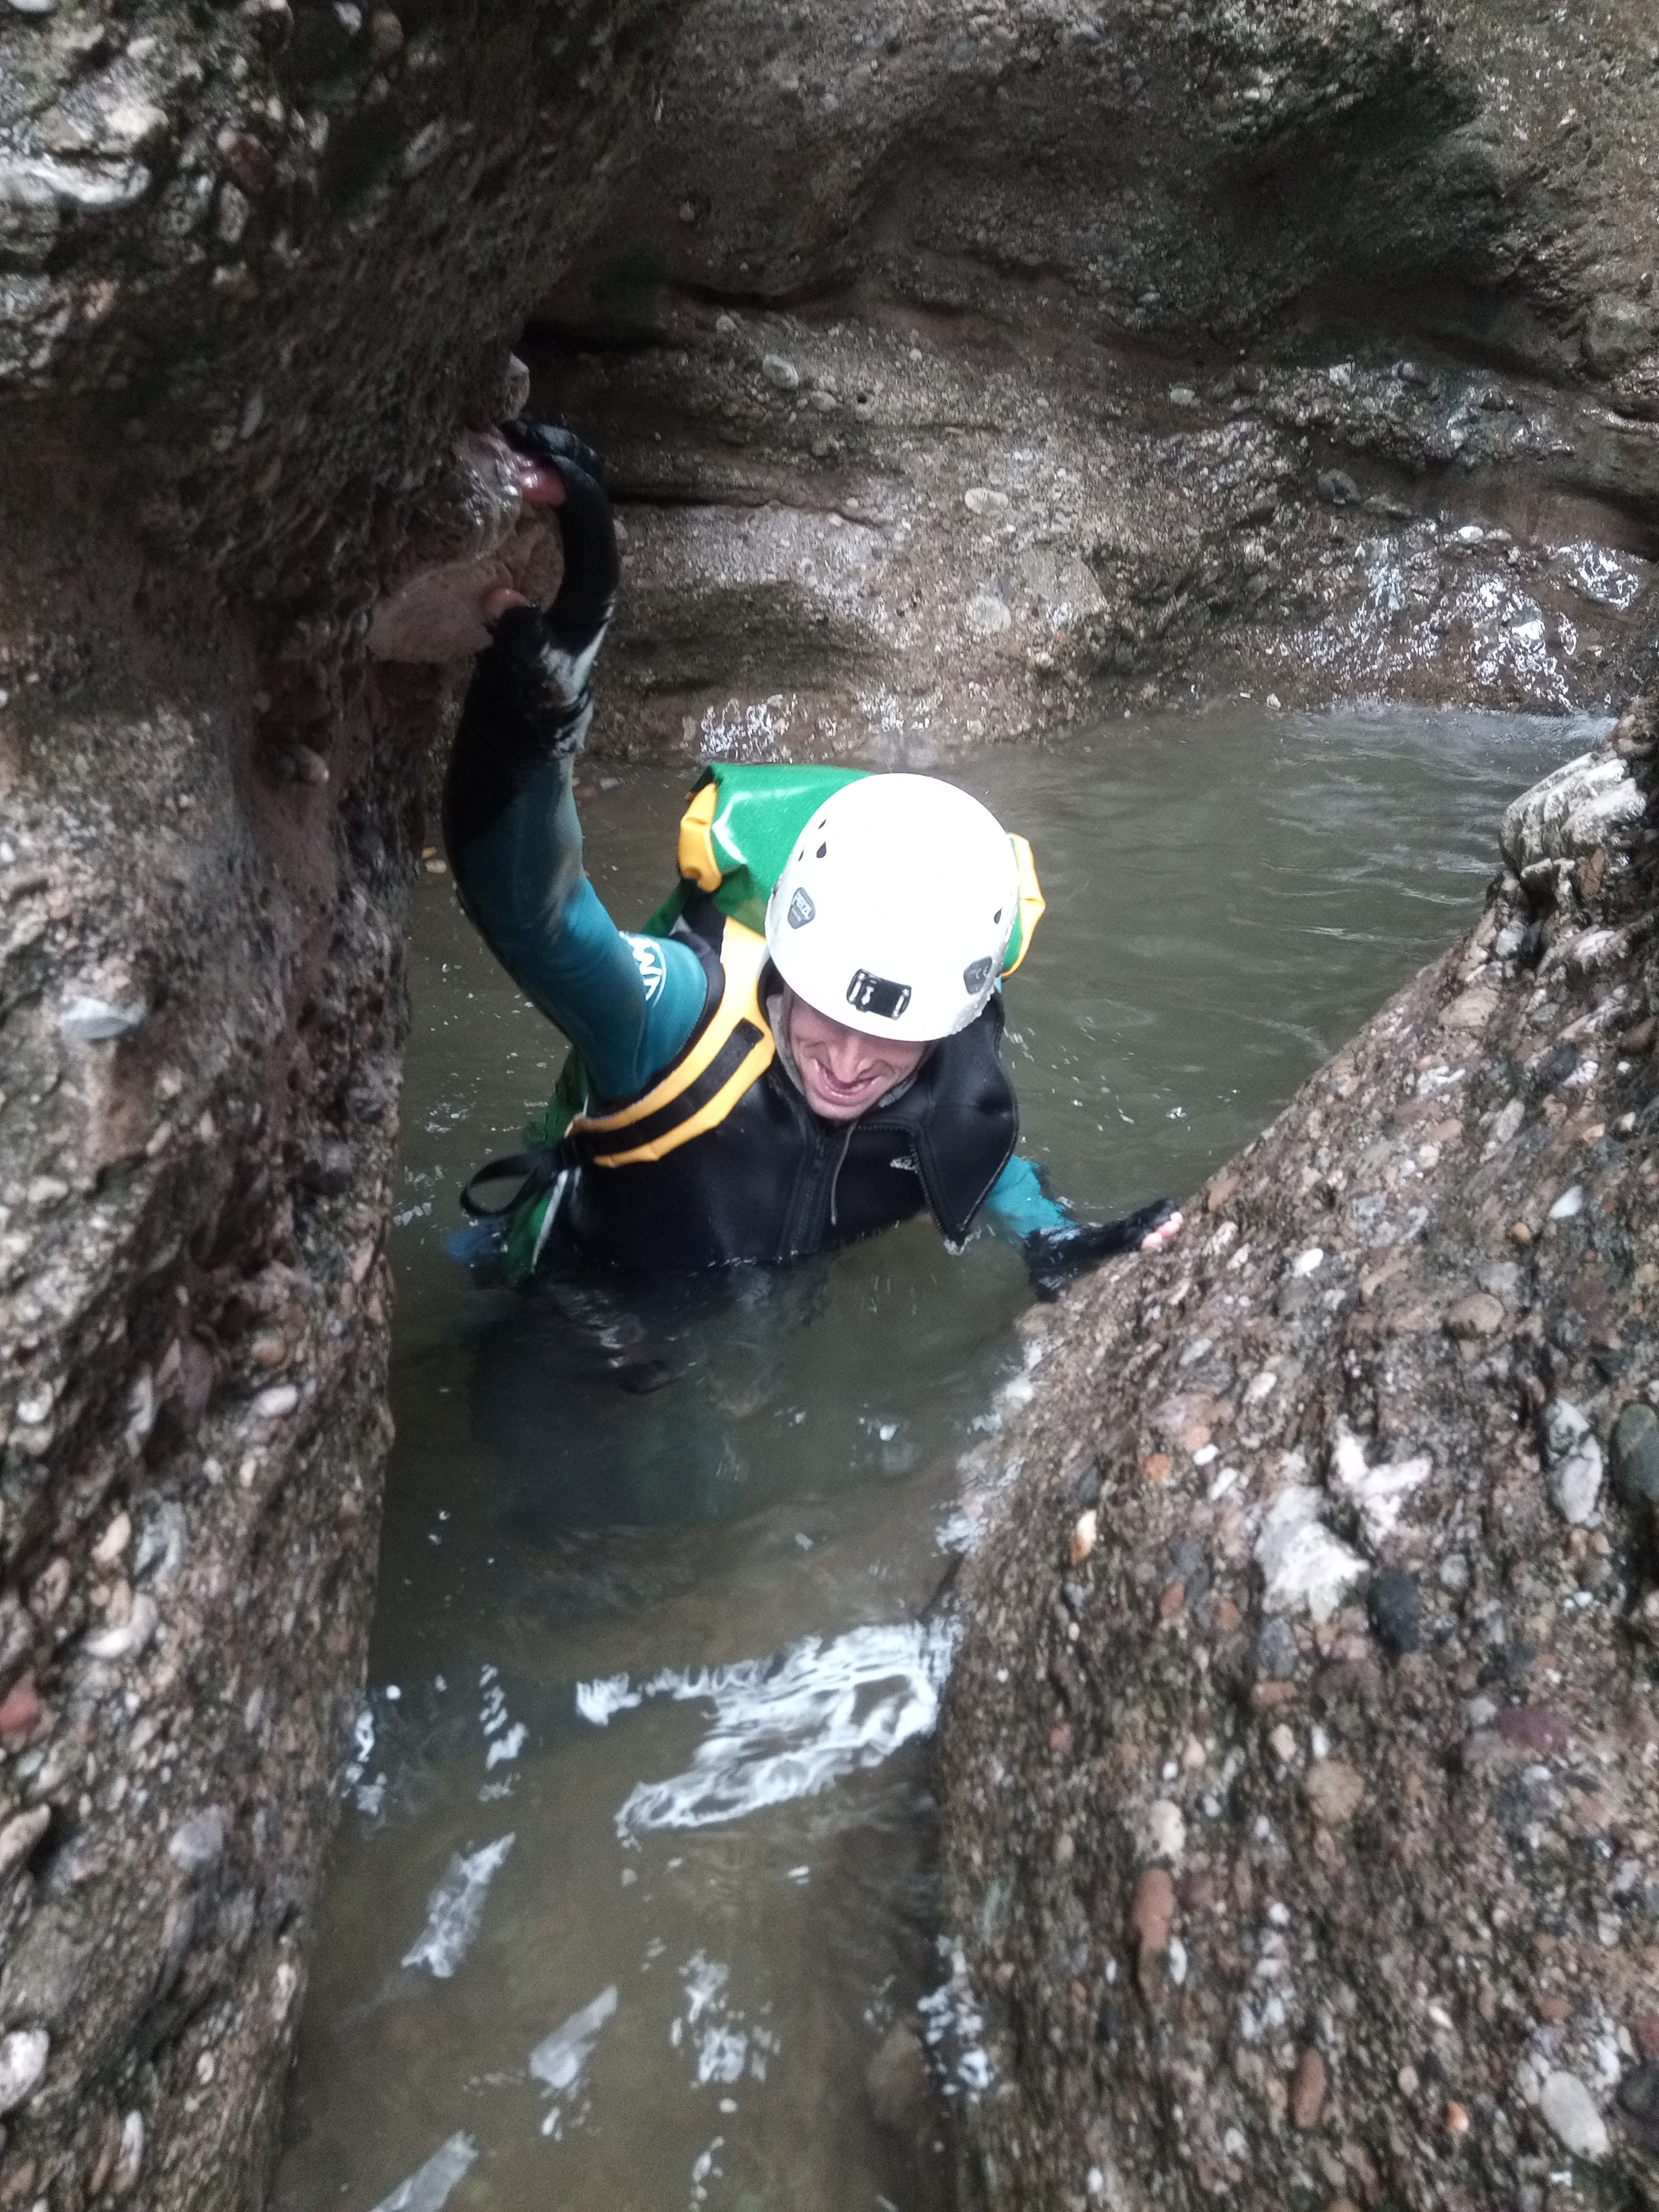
(750, 1097)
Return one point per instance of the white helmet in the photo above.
(893, 912)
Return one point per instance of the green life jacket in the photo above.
(740, 824)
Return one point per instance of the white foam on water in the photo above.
(786, 1726)
(501, 1740)
(507, 1744)
(368, 1795)
(704, 2170)
(596, 1701)
(427, 2190)
(559, 2058)
(724, 2045)
(953, 2027)
(455, 1908)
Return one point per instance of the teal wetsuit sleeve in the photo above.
(628, 1004)
(1018, 1204)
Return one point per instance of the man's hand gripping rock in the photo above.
(535, 670)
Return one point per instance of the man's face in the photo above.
(842, 1071)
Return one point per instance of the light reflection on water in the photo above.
(633, 1884)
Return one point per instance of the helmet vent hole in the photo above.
(823, 849)
(996, 918)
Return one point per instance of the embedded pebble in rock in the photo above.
(1453, 1573)
(981, 500)
(1395, 1611)
(1478, 1314)
(20, 1709)
(987, 615)
(1275, 1655)
(130, 2157)
(198, 1843)
(1302, 1562)
(1639, 2100)
(130, 1638)
(1151, 1917)
(1617, 331)
(1538, 1727)
(1165, 1834)
(1306, 2093)
(1083, 1537)
(1635, 1455)
(20, 1835)
(1573, 1462)
(94, 1021)
(1380, 1490)
(1333, 1791)
(23, 2056)
(780, 373)
(1570, 2111)
(1506, 1125)
(276, 1403)
(113, 1541)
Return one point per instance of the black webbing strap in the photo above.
(534, 1172)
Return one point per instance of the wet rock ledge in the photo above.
(1302, 1760)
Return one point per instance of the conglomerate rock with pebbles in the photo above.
(1302, 1763)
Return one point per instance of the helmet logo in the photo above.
(975, 975)
(874, 994)
(801, 909)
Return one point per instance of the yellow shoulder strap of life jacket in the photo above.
(702, 1086)
(1032, 904)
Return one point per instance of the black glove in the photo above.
(573, 627)
(1053, 1257)
(528, 701)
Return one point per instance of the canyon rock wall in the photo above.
(1031, 363)
(1301, 1809)
(260, 269)
(262, 266)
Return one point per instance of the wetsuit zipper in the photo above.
(840, 1161)
(807, 1209)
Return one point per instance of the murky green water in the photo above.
(632, 1886)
